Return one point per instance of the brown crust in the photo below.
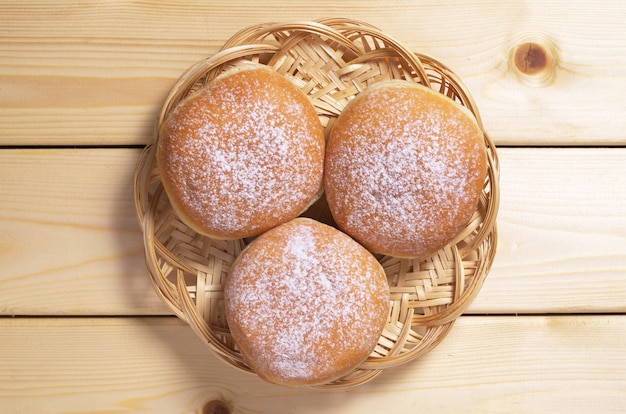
(305, 303)
(405, 167)
(242, 155)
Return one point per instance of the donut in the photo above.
(404, 169)
(305, 303)
(243, 154)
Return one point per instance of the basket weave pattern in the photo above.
(331, 61)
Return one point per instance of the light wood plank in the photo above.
(568, 364)
(562, 233)
(80, 72)
(70, 240)
(68, 226)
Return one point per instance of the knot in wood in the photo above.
(534, 59)
(215, 407)
(531, 58)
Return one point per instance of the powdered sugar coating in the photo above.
(242, 155)
(404, 169)
(305, 303)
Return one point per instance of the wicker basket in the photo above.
(331, 61)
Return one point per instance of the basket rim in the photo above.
(483, 241)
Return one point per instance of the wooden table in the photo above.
(81, 329)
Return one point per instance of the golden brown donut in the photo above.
(405, 167)
(305, 303)
(242, 155)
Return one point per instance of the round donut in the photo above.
(404, 169)
(305, 303)
(242, 155)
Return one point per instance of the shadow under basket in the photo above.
(331, 61)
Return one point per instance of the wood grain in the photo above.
(70, 240)
(155, 365)
(81, 329)
(68, 224)
(562, 232)
(94, 73)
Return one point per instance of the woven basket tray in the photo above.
(331, 61)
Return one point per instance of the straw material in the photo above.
(331, 61)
